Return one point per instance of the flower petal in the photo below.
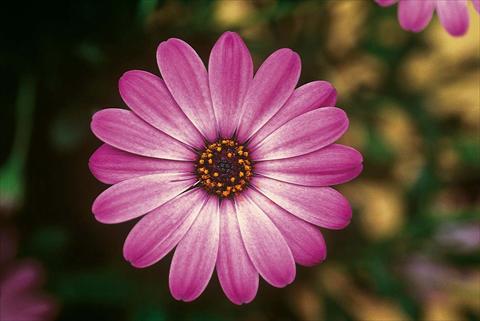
(158, 232)
(454, 16)
(230, 72)
(272, 85)
(305, 240)
(322, 206)
(149, 98)
(304, 134)
(124, 130)
(236, 273)
(265, 245)
(415, 15)
(196, 254)
(187, 79)
(137, 196)
(386, 3)
(304, 99)
(334, 164)
(22, 277)
(476, 4)
(110, 165)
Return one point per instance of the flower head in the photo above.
(231, 169)
(20, 297)
(414, 15)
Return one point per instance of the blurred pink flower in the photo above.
(20, 296)
(414, 15)
(462, 237)
(234, 170)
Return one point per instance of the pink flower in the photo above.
(414, 15)
(234, 170)
(20, 297)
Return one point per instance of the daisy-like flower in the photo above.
(233, 170)
(20, 296)
(414, 15)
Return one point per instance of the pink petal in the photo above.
(187, 79)
(415, 15)
(305, 240)
(158, 232)
(322, 206)
(124, 130)
(454, 16)
(236, 273)
(272, 85)
(110, 165)
(304, 134)
(26, 307)
(196, 254)
(22, 277)
(265, 245)
(149, 98)
(137, 196)
(476, 4)
(230, 72)
(304, 99)
(334, 164)
(386, 3)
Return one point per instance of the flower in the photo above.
(233, 170)
(414, 15)
(20, 281)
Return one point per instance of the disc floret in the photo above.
(224, 168)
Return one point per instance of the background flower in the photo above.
(414, 15)
(20, 281)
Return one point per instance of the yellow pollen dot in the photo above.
(240, 161)
(215, 174)
(240, 153)
(219, 184)
(210, 155)
(247, 168)
(219, 149)
(240, 174)
(206, 171)
(201, 161)
(210, 161)
(232, 179)
(245, 154)
(226, 193)
(229, 155)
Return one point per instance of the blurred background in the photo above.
(412, 251)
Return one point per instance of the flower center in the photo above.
(224, 168)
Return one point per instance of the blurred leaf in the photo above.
(12, 173)
(49, 241)
(149, 312)
(108, 286)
